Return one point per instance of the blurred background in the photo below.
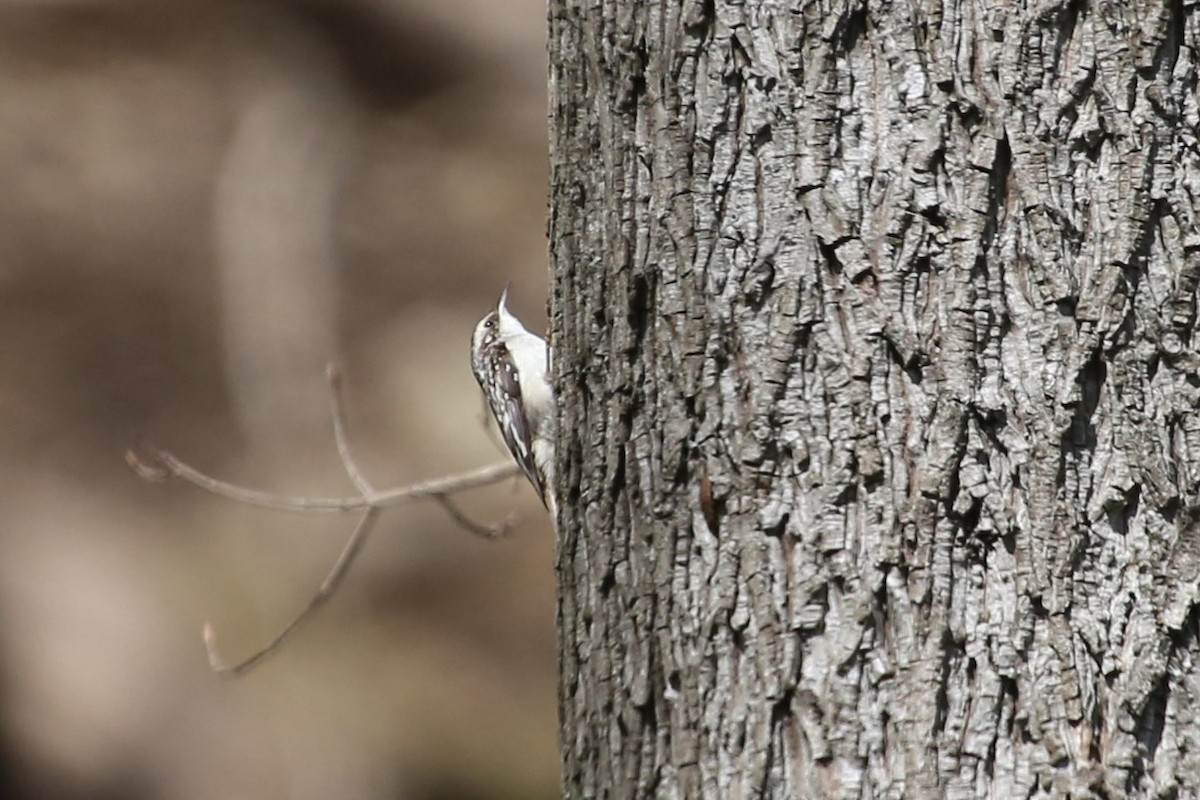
(201, 203)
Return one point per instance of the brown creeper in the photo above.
(512, 366)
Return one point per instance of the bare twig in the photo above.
(478, 528)
(324, 592)
(339, 434)
(164, 466)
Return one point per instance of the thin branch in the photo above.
(166, 466)
(339, 434)
(322, 595)
(478, 528)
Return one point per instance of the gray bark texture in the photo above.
(875, 331)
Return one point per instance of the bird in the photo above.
(512, 366)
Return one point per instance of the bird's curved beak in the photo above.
(501, 306)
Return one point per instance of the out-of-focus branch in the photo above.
(164, 466)
(324, 592)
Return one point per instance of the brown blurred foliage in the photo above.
(201, 203)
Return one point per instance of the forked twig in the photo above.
(165, 466)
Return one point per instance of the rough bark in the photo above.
(876, 348)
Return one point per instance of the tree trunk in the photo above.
(875, 331)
